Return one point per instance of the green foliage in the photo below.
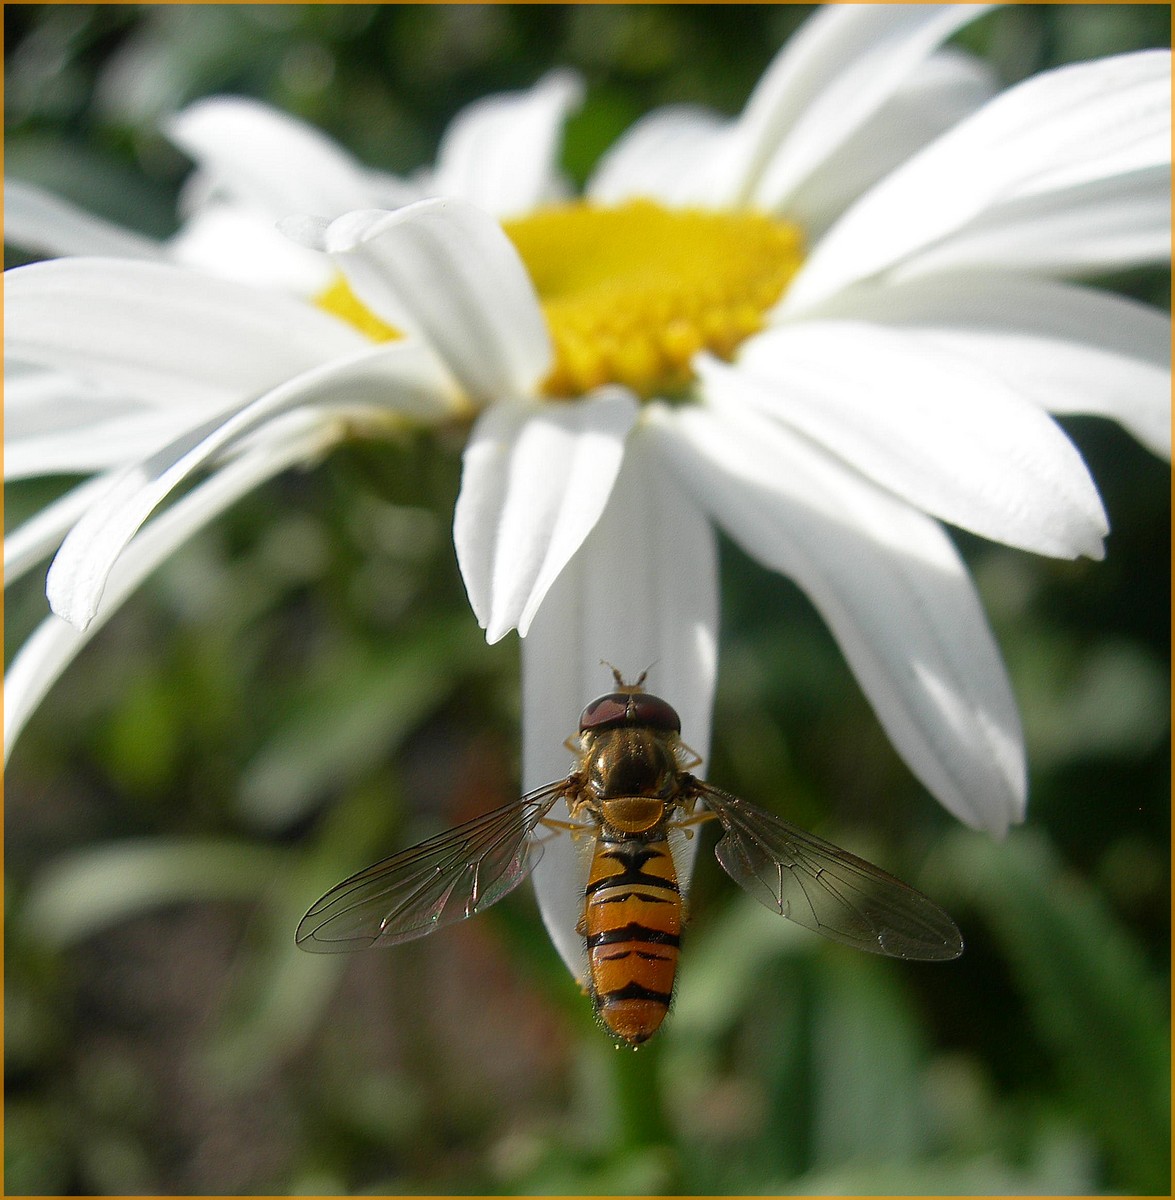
(1100, 1010)
(304, 690)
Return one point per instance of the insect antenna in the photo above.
(621, 686)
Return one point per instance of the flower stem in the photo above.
(637, 1084)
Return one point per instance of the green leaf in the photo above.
(1093, 1001)
(867, 1062)
(88, 890)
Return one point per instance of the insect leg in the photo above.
(688, 756)
(558, 826)
(696, 818)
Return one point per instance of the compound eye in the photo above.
(629, 708)
(655, 713)
(604, 713)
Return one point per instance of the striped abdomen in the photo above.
(632, 923)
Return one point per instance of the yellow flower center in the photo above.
(632, 293)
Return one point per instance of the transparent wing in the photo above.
(436, 883)
(825, 888)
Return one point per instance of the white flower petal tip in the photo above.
(447, 269)
(934, 427)
(65, 599)
(308, 231)
(535, 479)
(350, 231)
(562, 87)
(76, 579)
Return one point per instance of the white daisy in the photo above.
(818, 326)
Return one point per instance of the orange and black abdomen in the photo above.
(632, 923)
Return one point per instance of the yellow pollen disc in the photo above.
(340, 301)
(632, 293)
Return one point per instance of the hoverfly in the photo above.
(630, 789)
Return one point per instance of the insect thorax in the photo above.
(630, 762)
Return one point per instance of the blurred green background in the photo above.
(304, 690)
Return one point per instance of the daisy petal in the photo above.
(146, 328)
(1054, 134)
(40, 401)
(452, 271)
(936, 428)
(1067, 348)
(269, 159)
(939, 93)
(642, 594)
(535, 479)
(658, 157)
(37, 220)
(501, 152)
(1107, 226)
(829, 79)
(56, 424)
(399, 379)
(37, 538)
(55, 644)
(892, 588)
(239, 243)
(92, 445)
